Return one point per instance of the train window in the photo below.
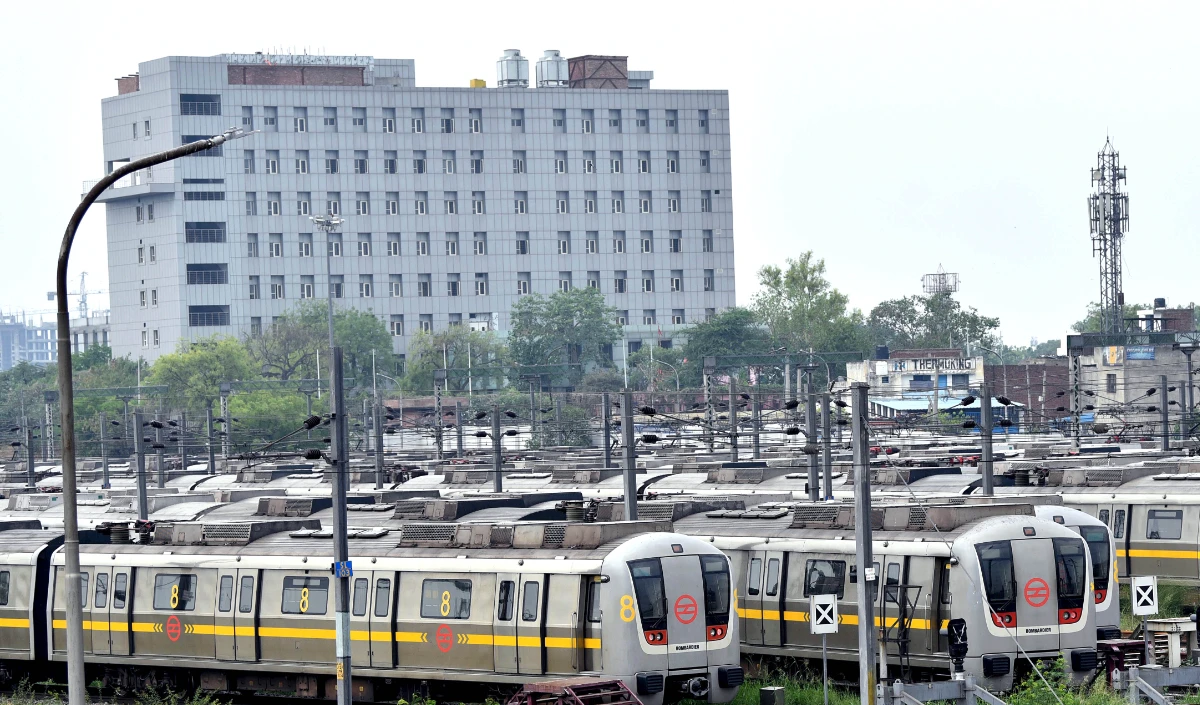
(84, 588)
(529, 602)
(773, 577)
(101, 590)
(593, 606)
(716, 589)
(225, 598)
(1098, 545)
(945, 586)
(854, 572)
(999, 574)
(119, 591)
(1070, 562)
(824, 577)
(1104, 516)
(383, 597)
(893, 574)
(651, 593)
(446, 599)
(361, 585)
(4, 581)
(1118, 524)
(504, 610)
(246, 599)
(175, 592)
(754, 580)
(303, 594)
(1165, 524)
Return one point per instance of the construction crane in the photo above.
(82, 293)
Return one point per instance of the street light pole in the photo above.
(327, 224)
(76, 683)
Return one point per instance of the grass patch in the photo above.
(1171, 601)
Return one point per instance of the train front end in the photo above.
(666, 601)
(1026, 594)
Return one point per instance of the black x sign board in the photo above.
(1144, 594)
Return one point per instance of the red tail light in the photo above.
(657, 637)
(1100, 595)
(717, 632)
(1070, 615)
(1004, 619)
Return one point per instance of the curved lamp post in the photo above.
(76, 685)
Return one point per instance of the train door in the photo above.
(752, 629)
(686, 631)
(360, 619)
(530, 622)
(245, 621)
(118, 612)
(504, 623)
(223, 620)
(942, 602)
(593, 654)
(921, 576)
(383, 599)
(1036, 606)
(99, 611)
(563, 639)
(773, 594)
(59, 614)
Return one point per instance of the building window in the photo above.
(676, 242)
(396, 325)
(481, 285)
(276, 287)
(252, 245)
(522, 244)
(141, 255)
(519, 206)
(395, 286)
(362, 207)
(306, 288)
(251, 203)
(1110, 384)
(331, 162)
(418, 125)
(389, 125)
(676, 283)
(201, 316)
(425, 287)
(647, 283)
(618, 205)
(364, 248)
(145, 339)
(142, 298)
(707, 242)
(150, 212)
(208, 274)
(426, 323)
(647, 243)
(301, 162)
(365, 287)
(708, 280)
(199, 104)
(522, 287)
(393, 246)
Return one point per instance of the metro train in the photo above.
(247, 606)
(1021, 583)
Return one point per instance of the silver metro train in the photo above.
(1021, 584)
(247, 606)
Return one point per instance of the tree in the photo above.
(803, 311)
(933, 321)
(735, 331)
(460, 348)
(1093, 323)
(567, 327)
(288, 347)
(357, 332)
(602, 380)
(662, 372)
(194, 373)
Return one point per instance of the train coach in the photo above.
(455, 608)
(1020, 583)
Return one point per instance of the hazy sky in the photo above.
(886, 137)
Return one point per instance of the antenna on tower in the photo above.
(942, 282)
(1108, 211)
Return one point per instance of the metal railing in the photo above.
(137, 178)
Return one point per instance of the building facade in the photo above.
(455, 201)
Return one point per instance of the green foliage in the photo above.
(1057, 688)
(1093, 323)
(460, 348)
(567, 327)
(1171, 601)
(268, 415)
(933, 321)
(662, 372)
(602, 380)
(803, 311)
(357, 332)
(194, 374)
(735, 331)
(800, 690)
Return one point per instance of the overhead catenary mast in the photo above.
(1108, 211)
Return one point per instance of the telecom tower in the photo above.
(940, 282)
(1108, 209)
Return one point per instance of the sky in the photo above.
(890, 138)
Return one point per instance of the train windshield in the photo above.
(999, 575)
(1070, 565)
(651, 593)
(716, 589)
(1099, 546)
